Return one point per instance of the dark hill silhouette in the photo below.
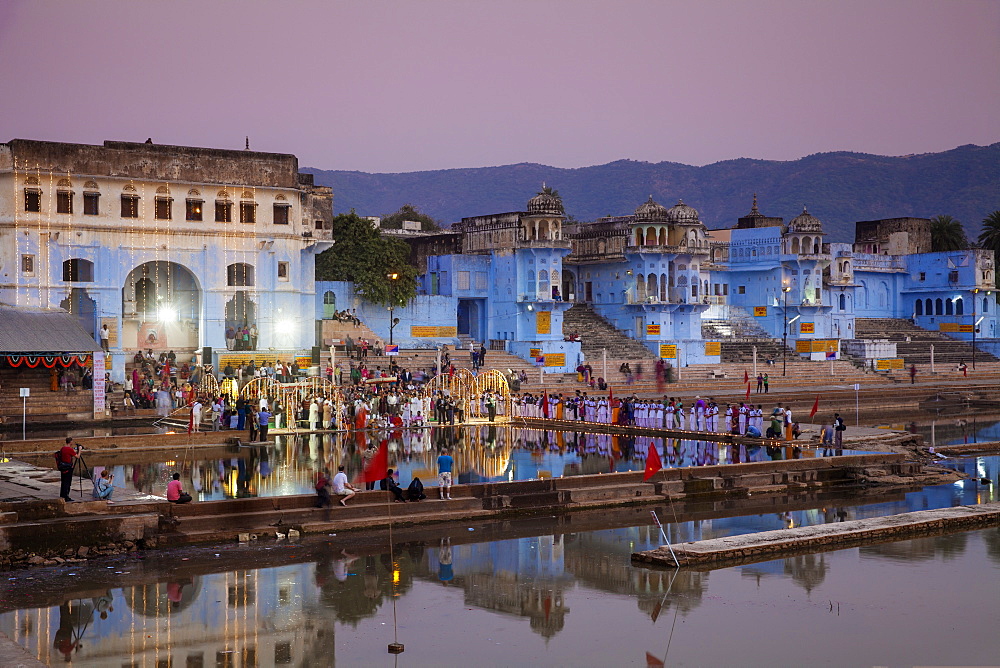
(839, 188)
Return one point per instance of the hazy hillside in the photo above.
(838, 188)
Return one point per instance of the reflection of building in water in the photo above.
(241, 618)
(523, 577)
(919, 549)
(806, 570)
(602, 560)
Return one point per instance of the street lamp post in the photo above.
(784, 338)
(392, 321)
(975, 294)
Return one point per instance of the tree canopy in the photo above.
(947, 234)
(989, 237)
(394, 221)
(362, 255)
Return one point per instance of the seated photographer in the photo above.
(103, 486)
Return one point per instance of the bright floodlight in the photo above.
(284, 326)
(168, 314)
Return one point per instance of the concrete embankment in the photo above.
(767, 545)
(53, 528)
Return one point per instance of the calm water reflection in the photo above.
(289, 464)
(552, 599)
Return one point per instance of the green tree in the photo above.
(379, 266)
(989, 237)
(947, 234)
(394, 221)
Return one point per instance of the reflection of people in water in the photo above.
(74, 616)
(445, 572)
(341, 565)
(102, 604)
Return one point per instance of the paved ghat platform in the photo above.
(716, 553)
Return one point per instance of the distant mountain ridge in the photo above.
(839, 188)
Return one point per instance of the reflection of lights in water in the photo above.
(170, 462)
(395, 576)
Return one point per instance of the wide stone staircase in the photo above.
(43, 405)
(597, 335)
(913, 343)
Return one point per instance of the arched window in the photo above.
(918, 307)
(640, 287)
(843, 302)
(663, 287)
(543, 284)
(948, 307)
(959, 306)
(240, 274)
(638, 236)
(650, 236)
(806, 245)
(663, 236)
(986, 305)
(651, 288)
(938, 307)
(795, 245)
(78, 270)
(329, 304)
(928, 307)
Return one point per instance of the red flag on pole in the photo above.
(653, 463)
(746, 376)
(653, 662)
(748, 390)
(815, 408)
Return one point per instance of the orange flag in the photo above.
(653, 463)
(815, 408)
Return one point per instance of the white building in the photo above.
(167, 245)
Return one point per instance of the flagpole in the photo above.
(662, 533)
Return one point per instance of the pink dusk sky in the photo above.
(390, 86)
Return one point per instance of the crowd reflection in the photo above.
(485, 453)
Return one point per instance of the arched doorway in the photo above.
(241, 311)
(161, 307)
(83, 307)
(329, 304)
(568, 285)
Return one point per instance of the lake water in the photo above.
(539, 594)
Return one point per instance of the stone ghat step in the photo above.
(293, 517)
(768, 545)
(317, 525)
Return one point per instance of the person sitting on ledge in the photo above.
(389, 483)
(103, 487)
(175, 493)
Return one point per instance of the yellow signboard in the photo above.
(884, 365)
(668, 351)
(713, 348)
(303, 361)
(653, 329)
(555, 359)
(816, 345)
(807, 328)
(759, 310)
(534, 352)
(965, 328)
(948, 327)
(433, 332)
(245, 358)
(543, 322)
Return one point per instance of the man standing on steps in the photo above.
(65, 461)
(766, 381)
(445, 463)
